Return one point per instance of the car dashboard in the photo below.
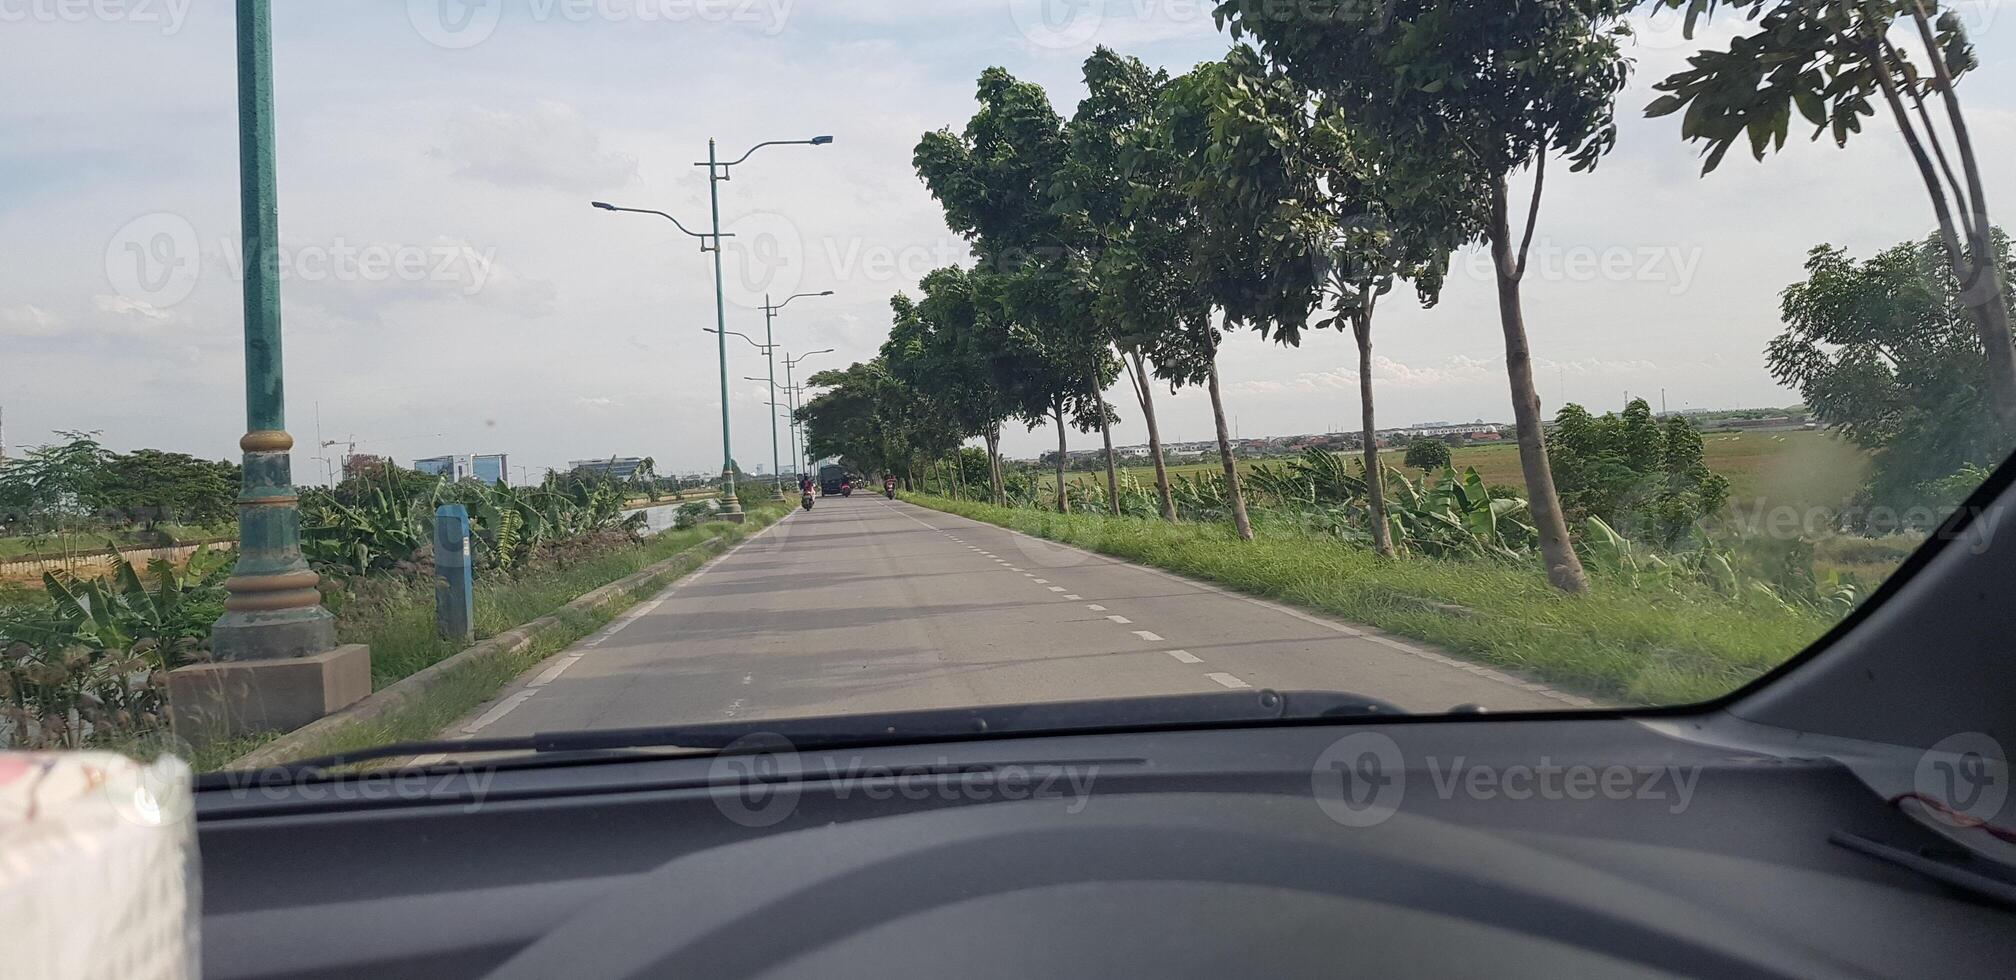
(1598, 847)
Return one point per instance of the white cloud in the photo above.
(132, 311)
(29, 321)
(549, 145)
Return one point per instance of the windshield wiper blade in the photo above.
(1159, 712)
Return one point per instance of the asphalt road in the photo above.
(863, 605)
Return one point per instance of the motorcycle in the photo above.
(805, 500)
(889, 491)
(846, 489)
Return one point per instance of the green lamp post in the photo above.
(717, 171)
(274, 609)
(274, 665)
(770, 354)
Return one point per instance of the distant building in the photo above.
(494, 468)
(615, 467)
(453, 467)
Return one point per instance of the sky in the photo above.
(449, 289)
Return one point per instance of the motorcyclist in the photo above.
(889, 485)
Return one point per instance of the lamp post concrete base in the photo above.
(215, 701)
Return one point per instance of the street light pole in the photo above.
(791, 363)
(274, 609)
(717, 171)
(770, 353)
(731, 508)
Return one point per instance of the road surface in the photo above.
(863, 604)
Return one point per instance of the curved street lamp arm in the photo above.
(742, 335)
(675, 221)
(814, 141)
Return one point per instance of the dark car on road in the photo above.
(833, 479)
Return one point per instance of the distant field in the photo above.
(1798, 469)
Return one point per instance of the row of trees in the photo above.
(1338, 149)
(78, 484)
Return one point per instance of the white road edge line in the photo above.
(548, 675)
(505, 707)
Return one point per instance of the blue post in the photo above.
(454, 588)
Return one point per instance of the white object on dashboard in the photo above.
(98, 869)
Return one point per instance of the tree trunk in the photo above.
(1239, 521)
(1112, 473)
(1063, 499)
(1564, 569)
(994, 465)
(1144, 392)
(1981, 285)
(958, 478)
(1375, 482)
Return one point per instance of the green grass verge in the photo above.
(403, 642)
(1614, 643)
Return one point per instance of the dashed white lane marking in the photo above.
(1150, 637)
(553, 673)
(1095, 607)
(1120, 619)
(1228, 680)
(1074, 598)
(1185, 656)
(1013, 568)
(1385, 641)
(747, 678)
(503, 708)
(1042, 581)
(1056, 588)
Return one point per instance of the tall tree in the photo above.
(1490, 89)
(943, 344)
(997, 182)
(1113, 246)
(1246, 217)
(1828, 59)
(1885, 352)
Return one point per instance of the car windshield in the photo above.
(728, 362)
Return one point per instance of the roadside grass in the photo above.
(401, 634)
(95, 542)
(400, 628)
(1614, 643)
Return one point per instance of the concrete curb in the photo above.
(406, 690)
